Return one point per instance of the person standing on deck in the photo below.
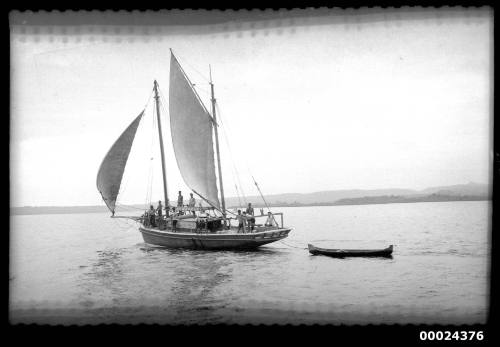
(173, 219)
(159, 212)
(159, 209)
(246, 221)
(251, 219)
(241, 221)
(192, 204)
(180, 199)
(152, 221)
(249, 209)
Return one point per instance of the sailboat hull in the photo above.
(211, 241)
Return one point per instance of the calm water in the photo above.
(89, 268)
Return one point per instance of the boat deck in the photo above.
(231, 231)
(206, 225)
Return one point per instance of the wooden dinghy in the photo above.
(341, 253)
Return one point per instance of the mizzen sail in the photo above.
(191, 128)
(111, 170)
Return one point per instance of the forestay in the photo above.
(111, 170)
(191, 128)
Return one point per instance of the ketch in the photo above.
(193, 130)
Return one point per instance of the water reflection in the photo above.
(103, 281)
(198, 293)
(196, 281)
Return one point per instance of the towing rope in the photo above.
(283, 242)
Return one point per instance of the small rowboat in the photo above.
(341, 253)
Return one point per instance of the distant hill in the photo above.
(460, 189)
(319, 197)
(470, 191)
(332, 196)
(392, 199)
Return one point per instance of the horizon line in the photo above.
(250, 196)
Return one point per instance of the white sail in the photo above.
(110, 173)
(191, 128)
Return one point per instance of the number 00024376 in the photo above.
(451, 335)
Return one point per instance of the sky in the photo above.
(340, 103)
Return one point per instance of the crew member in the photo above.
(159, 209)
(192, 204)
(173, 219)
(251, 219)
(241, 221)
(270, 220)
(159, 213)
(180, 199)
(152, 216)
(247, 221)
(249, 209)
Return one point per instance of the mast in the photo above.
(163, 167)
(214, 115)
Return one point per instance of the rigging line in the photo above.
(184, 62)
(149, 183)
(205, 91)
(194, 91)
(249, 171)
(151, 147)
(128, 225)
(129, 211)
(149, 99)
(238, 193)
(208, 202)
(119, 224)
(146, 201)
(163, 107)
(121, 208)
(235, 169)
(149, 186)
(116, 223)
(233, 173)
(226, 132)
(129, 208)
(262, 196)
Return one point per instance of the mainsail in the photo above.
(111, 170)
(191, 128)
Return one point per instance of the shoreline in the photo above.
(37, 210)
